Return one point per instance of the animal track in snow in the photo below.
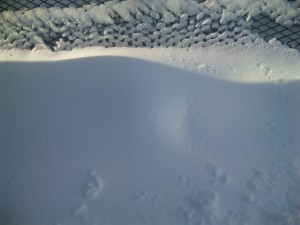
(217, 173)
(265, 70)
(94, 186)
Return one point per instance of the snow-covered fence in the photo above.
(139, 23)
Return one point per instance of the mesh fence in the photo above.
(268, 29)
(263, 25)
(15, 5)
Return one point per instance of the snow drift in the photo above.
(119, 136)
(118, 140)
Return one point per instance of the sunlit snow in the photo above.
(135, 136)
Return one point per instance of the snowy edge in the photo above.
(251, 63)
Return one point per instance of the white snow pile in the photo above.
(162, 136)
(207, 134)
(140, 23)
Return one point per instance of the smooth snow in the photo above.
(150, 136)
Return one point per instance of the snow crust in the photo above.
(140, 24)
(150, 136)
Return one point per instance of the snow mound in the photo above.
(140, 23)
(132, 136)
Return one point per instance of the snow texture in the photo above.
(140, 23)
(132, 136)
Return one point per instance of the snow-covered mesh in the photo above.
(269, 29)
(144, 23)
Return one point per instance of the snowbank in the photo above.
(207, 134)
(161, 136)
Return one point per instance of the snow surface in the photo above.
(150, 136)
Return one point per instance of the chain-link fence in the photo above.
(263, 25)
(15, 5)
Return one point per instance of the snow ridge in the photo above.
(140, 23)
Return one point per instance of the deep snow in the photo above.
(138, 136)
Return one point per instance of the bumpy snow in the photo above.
(139, 23)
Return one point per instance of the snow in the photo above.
(205, 131)
(39, 25)
(169, 17)
(150, 136)
(226, 17)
